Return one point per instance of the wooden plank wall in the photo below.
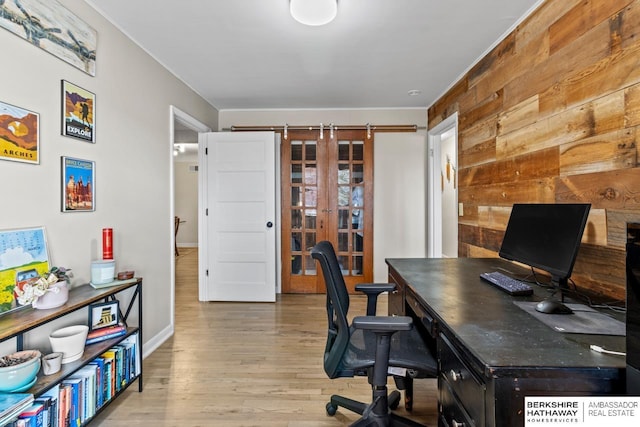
(552, 114)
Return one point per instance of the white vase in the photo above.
(53, 299)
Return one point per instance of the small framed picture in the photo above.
(78, 112)
(102, 315)
(19, 134)
(78, 185)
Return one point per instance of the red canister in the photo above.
(107, 243)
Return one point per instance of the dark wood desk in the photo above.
(492, 353)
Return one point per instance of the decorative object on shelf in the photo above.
(18, 370)
(124, 275)
(48, 290)
(103, 315)
(19, 137)
(107, 243)
(69, 341)
(78, 185)
(102, 271)
(23, 258)
(78, 112)
(51, 363)
(53, 28)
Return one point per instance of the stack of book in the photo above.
(107, 333)
(12, 405)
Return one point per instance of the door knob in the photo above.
(269, 224)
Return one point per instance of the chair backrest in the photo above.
(337, 308)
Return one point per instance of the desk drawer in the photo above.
(465, 385)
(425, 318)
(452, 413)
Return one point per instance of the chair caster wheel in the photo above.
(331, 409)
(393, 400)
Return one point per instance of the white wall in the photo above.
(399, 172)
(132, 154)
(186, 202)
(399, 219)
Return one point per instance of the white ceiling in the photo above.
(250, 54)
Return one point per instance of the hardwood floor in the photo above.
(245, 364)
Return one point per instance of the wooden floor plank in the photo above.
(245, 364)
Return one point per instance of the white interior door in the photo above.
(239, 262)
(442, 233)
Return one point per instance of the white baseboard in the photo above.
(151, 345)
(187, 245)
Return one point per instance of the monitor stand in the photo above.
(562, 285)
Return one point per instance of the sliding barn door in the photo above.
(327, 194)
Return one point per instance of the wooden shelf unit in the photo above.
(17, 323)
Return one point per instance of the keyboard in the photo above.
(507, 284)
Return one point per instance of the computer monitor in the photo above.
(633, 309)
(546, 236)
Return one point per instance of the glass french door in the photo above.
(327, 194)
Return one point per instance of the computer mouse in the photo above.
(552, 307)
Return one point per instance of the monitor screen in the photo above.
(545, 236)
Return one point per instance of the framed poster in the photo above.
(19, 134)
(78, 112)
(78, 185)
(53, 28)
(23, 257)
(102, 315)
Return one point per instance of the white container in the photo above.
(69, 341)
(103, 271)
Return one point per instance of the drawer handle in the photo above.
(454, 423)
(455, 376)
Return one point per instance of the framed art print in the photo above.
(23, 258)
(78, 185)
(19, 134)
(103, 315)
(78, 112)
(53, 28)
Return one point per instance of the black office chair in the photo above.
(370, 346)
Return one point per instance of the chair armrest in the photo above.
(383, 324)
(378, 288)
(372, 290)
(383, 327)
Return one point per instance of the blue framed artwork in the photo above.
(78, 185)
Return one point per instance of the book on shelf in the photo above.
(12, 404)
(98, 362)
(64, 408)
(52, 395)
(106, 334)
(34, 415)
(46, 403)
(106, 331)
(74, 385)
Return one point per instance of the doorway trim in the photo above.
(177, 115)
(434, 173)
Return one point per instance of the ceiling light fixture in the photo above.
(313, 12)
(414, 92)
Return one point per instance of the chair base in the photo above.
(370, 417)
